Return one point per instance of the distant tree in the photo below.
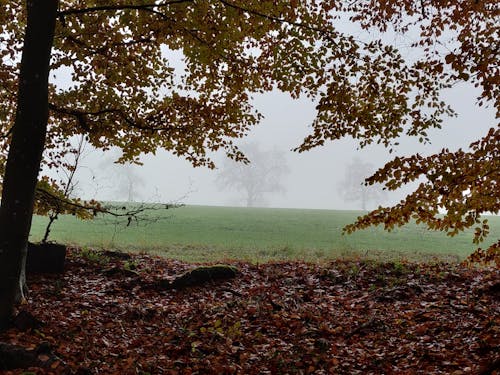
(354, 188)
(129, 183)
(122, 179)
(262, 175)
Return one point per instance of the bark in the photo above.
(45, 258)
(25, 152)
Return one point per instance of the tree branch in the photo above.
(106, 47)
(146, 7)
(133, 213)
(82, 117)
(7, 133)
(276, 19)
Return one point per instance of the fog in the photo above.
(314, 175)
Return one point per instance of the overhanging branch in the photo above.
(82, 117)
(97, 209)
(146, 7)
(277, 19)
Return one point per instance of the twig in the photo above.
(145, 7)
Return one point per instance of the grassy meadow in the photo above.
(202, 233)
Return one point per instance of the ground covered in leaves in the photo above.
(107, 315)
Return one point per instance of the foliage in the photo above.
(125, 92)
(52, 199)
(490, 255)
(262, 175)
(460, 43)
(279, 318)
(464, 184)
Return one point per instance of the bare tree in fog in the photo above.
(129, 182)
(263, 175)
(122, 181)
(353, 187)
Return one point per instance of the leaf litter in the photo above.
(342, 317)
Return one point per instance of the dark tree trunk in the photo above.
(25, 152)
(45, 257)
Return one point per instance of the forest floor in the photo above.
(108, 315)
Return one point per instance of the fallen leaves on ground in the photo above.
(343, 317)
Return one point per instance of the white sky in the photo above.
(314, 175)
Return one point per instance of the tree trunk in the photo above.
(25, 152)
(363, 198)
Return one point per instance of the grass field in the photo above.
(202, 233)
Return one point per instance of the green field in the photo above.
(202, 233)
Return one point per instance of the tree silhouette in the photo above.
(354, 188)
(262, 175)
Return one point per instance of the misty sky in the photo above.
(314, 175)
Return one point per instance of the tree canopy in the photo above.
(125, 92)
(460, 42)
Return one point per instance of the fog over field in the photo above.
(313, 178)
